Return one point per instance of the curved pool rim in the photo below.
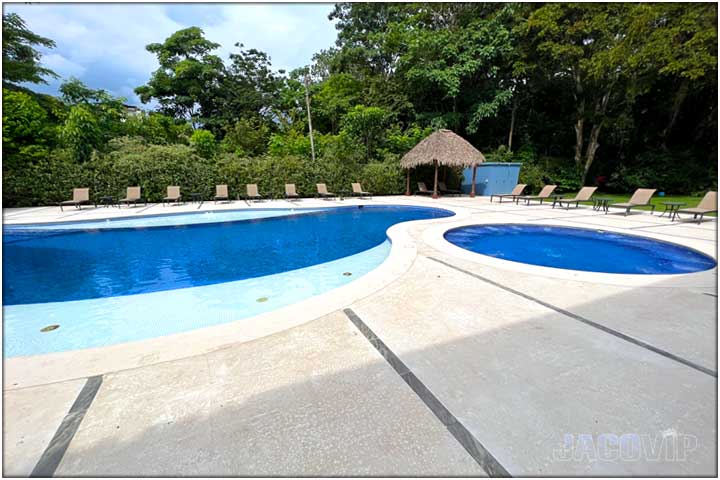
(589, 231)
(434, 236)
(35, 370)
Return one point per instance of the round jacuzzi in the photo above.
(579, 249)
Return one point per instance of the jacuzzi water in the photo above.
(579, 249)
(116, 281)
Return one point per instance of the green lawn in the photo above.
(657, 201)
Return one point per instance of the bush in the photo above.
(533, 176)
(671, 172)
(203, 142)
(45, 182)
(383, 178)
(130, 161)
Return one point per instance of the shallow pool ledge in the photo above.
(28, 371)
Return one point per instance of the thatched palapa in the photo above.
(443, 147)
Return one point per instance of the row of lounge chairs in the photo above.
(81, 196)
(291, 192)
(640, 198)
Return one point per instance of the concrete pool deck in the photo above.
(439, 362)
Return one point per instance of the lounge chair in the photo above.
(516, 192)
(707, 205)
(221, 193)
(291, 191)
(81, 196)
(544, 194)
(173, 195)
(446, 191)
(132, 195)
(583, 195)
(422, 189)
(323, 191)
(357, 191)
(641, 198)
(252, 192)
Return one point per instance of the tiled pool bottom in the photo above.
(108, 321)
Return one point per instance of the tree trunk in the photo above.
(579, 124)
(680, 96)
(600, 110)
(512, 123)
(579, 96)
(591, 149)
(309, 117)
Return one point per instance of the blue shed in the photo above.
(492, 178)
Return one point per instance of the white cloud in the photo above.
(62, 66)
(104, 44)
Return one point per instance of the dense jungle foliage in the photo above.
(619, 95)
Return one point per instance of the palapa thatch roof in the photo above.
(447, 148)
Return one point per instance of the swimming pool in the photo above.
(579, 249)
(125, 280)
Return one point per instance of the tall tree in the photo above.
(108, 111)
(21, 59)
(368, 126)
(81, 132)
(335, 96)
(189, 75)
(249, 89)
(676, 42)
(584, 43)
(454, 61)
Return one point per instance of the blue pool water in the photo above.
(57, 266)
(579, 249)
(105, 285)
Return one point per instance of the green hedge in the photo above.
(131, 162)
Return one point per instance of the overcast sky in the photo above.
(104, 44)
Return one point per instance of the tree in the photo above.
(108, 111)
(584, 43)
(610, 52)
(21, 60)
(454, 62)
(676, 42)
(203, 142)
(188, 78)
(367, 125)
(28, 132)
(247, 137)
(335, 96)
(248, 89)
(157, 128)
(81, 132)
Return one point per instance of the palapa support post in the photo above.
(435, 190)
(407, 183)
(472, 188)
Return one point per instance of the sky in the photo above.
(104, 44)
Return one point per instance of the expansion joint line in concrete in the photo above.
(53, 454)
(471, 444)
(586, 321)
